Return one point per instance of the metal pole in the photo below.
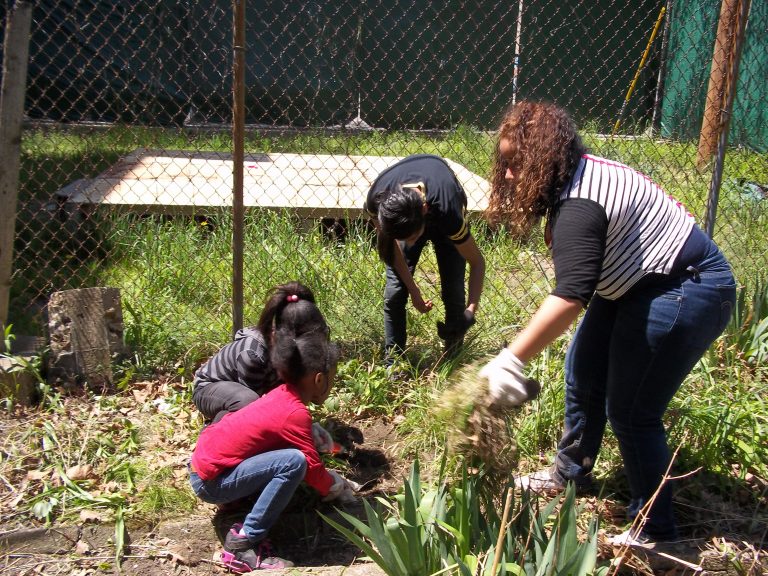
(516, 65)
(639, 69)
(656, 117)
(238, 130)
(14, 82)
(730, 96)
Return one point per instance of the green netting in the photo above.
(692, 36)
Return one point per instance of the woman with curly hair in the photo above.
(657, 292)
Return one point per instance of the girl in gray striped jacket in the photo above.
(242, 371)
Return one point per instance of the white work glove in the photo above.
(342, 490)
(507, 384)
(322, 439)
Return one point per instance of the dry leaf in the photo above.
(111, 487)
(80, 472)
(36, 474)
(82, 547)
(177, 558)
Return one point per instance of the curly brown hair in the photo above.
(546, 151)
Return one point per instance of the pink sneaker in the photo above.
(241, 555)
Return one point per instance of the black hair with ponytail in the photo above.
(291, 306)
(400, 215)
(296, 356)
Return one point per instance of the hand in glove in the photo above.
(322, 438)
(507, 383)
(458, 331)
(342, 490)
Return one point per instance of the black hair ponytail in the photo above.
(400, 215)
(295, 356)
(281, 306)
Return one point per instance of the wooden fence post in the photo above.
(15, 56)
(712, 121)
(238, 153)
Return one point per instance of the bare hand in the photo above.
(420, 304)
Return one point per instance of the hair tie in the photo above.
(292, 298)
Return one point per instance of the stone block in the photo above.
(86, 331)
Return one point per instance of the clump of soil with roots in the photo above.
(478, 431)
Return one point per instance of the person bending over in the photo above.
(657, 292)
(415, 201)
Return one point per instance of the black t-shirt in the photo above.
(444, 195)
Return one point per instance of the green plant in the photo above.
(745, 339)
(361, 388)
(454, 529)
(17, 365)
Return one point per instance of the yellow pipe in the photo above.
(639, 68)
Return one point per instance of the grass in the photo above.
(175, 280)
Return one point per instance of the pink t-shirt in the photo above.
(275, 421)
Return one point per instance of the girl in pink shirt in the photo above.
(267, 448)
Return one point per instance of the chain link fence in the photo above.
(126, 168)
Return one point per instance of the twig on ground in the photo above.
(7, 483)
(642, 515)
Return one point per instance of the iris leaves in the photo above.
(453, 529)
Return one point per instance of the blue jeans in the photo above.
(452, 267)
(626, 361)
(273, 475)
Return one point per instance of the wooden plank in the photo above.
(180, 182)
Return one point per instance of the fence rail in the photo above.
(367, 81)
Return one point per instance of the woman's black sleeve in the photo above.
(579, 231)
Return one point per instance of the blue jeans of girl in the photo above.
(450, 264)
(273, 475)
(626, 361)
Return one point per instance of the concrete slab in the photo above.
(189, 182)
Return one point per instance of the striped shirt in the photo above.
(645, 227)
(244, 360)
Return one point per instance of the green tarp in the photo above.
(692, 38)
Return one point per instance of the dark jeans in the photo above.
(273, 475)
(215, 399)
(626, 361)
(452, 267)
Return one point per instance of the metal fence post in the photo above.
(238, 127)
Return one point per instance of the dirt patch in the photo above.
(186, 540)
(189, 545)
